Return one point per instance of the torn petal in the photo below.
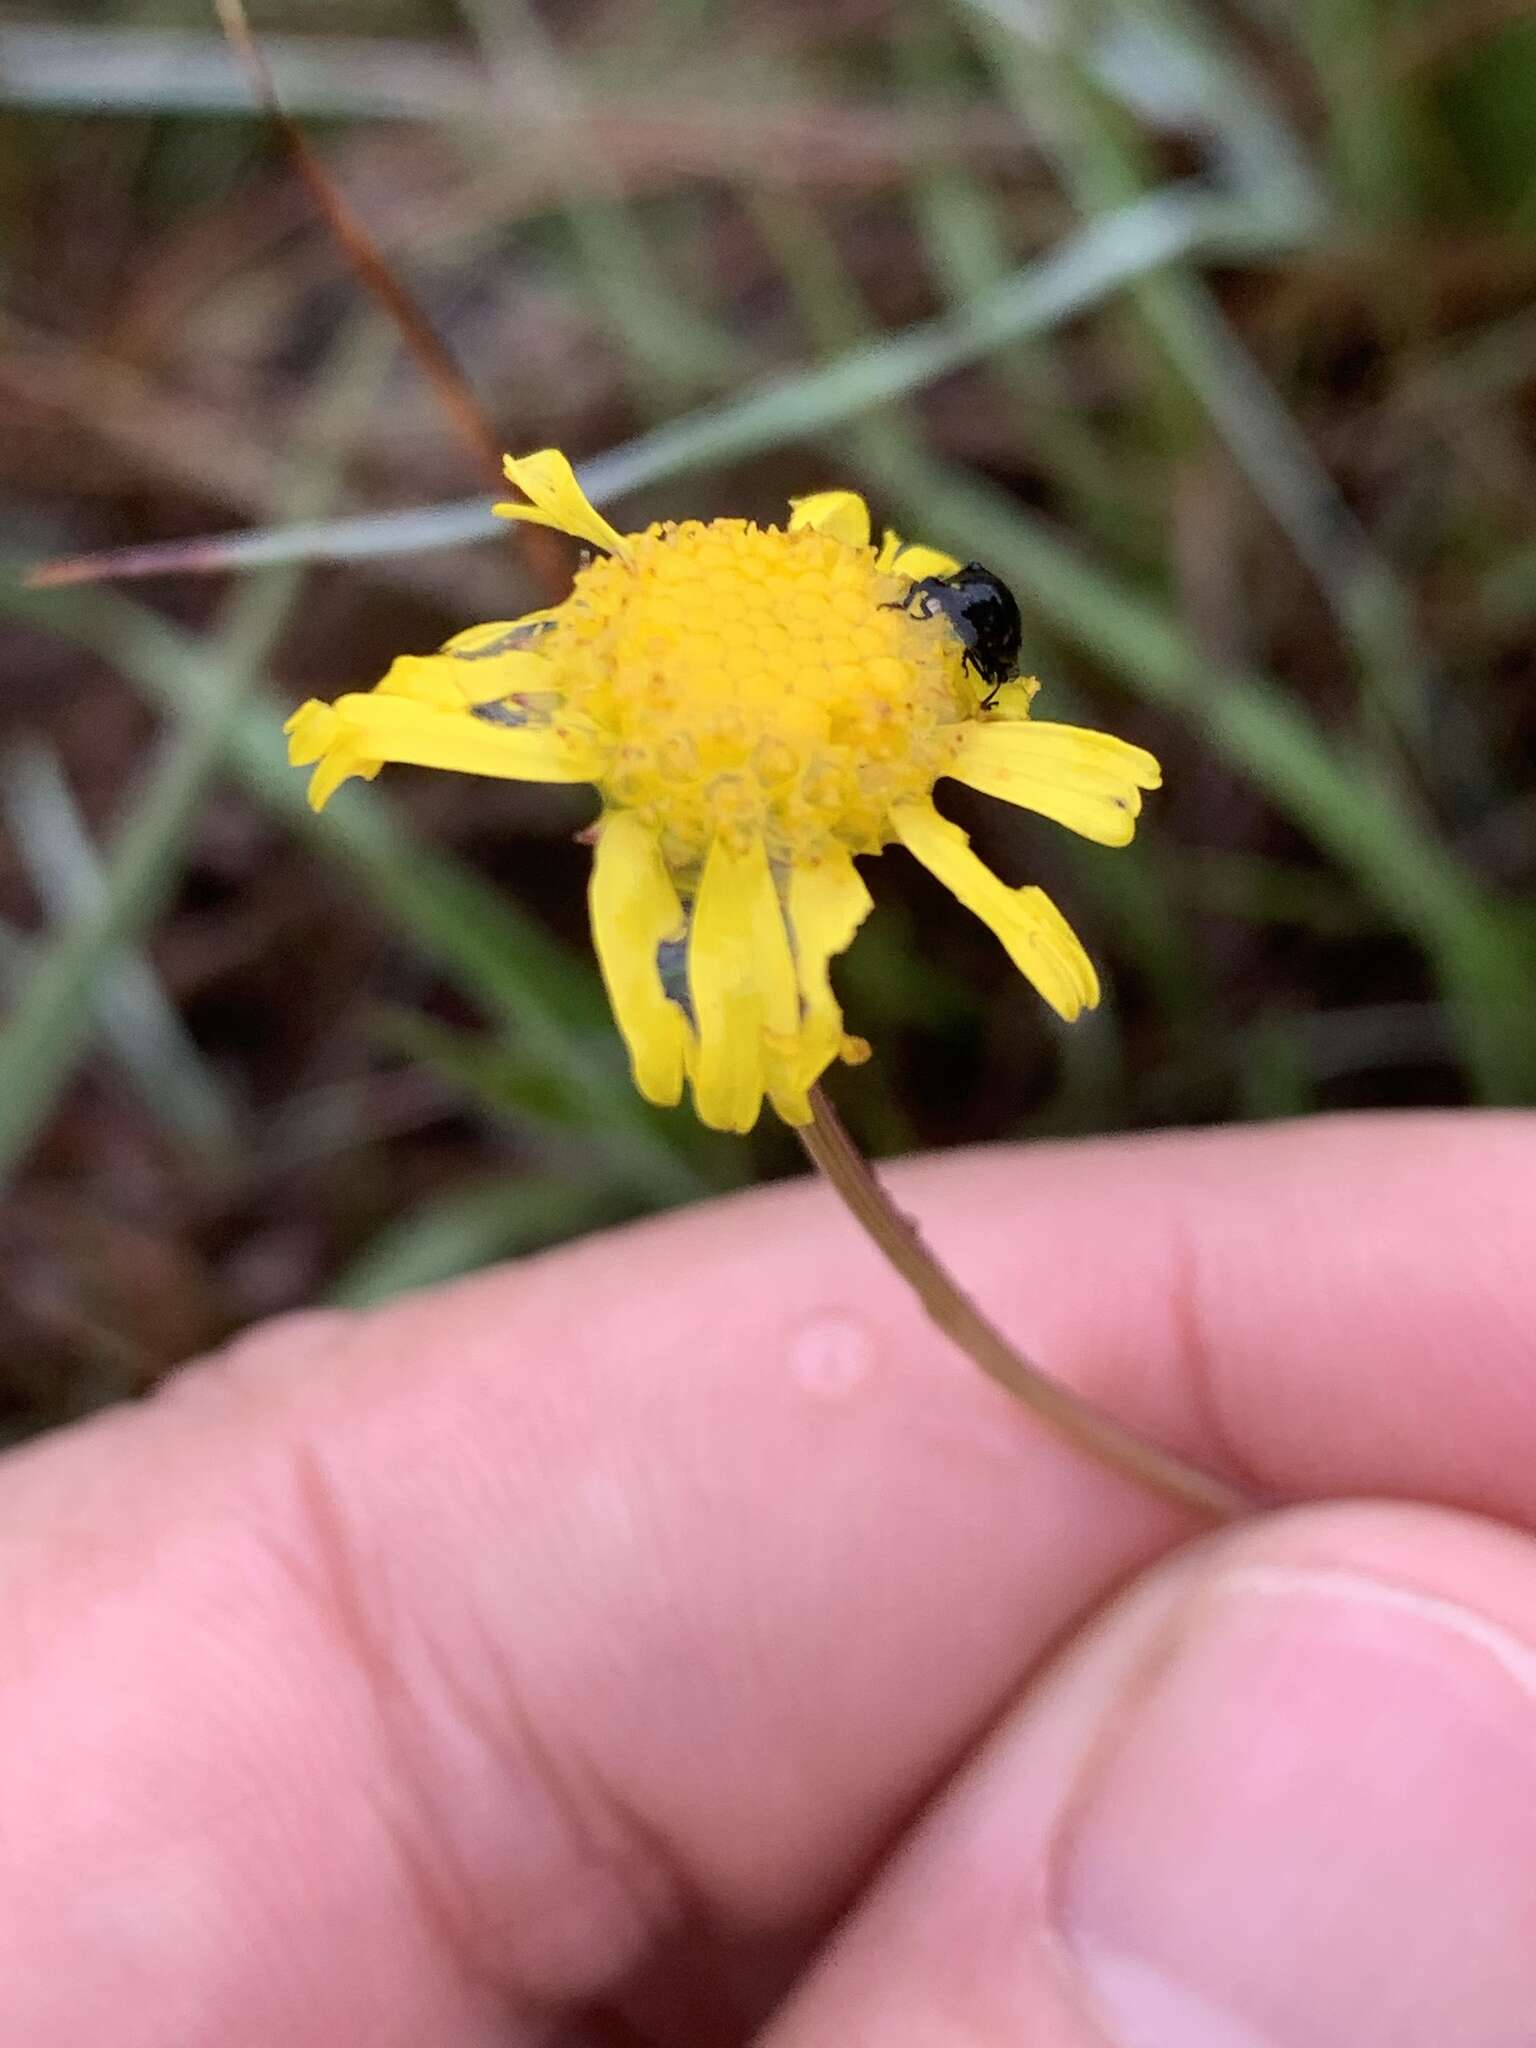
(843, 515)
(826, 903)
(1039, 941)
(310, 730)
(1088, 781)
(741, 977)
(911, 559)
(635, 913)
(316, 733)
(556, 499)
(339, 766)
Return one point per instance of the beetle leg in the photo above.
(969, 661)
(918, 603)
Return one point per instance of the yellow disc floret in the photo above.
(757, 683)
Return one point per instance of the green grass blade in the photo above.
(1101, 169)
(502, 960)
(137, 1017)
(1346, 803)
(1082, 271)
(53, 1017)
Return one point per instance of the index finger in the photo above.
(510, 1627)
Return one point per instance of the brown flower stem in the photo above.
(1082, 1425)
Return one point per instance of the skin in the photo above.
(669, 1640)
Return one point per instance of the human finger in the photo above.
(1282, 1795)
(655, 1581)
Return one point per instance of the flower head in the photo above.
(756, 706)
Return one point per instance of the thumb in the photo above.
(1282, 1796)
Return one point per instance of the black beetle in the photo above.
(984, 615)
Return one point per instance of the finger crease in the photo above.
(1201, 1372)
(605, 1850)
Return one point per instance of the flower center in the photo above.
(757, 682)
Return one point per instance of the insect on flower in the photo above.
(756, 706)
(984, 616)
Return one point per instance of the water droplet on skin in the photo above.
(831, 1353)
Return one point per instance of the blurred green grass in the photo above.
(1210, 327)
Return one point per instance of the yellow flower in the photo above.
(756, 709)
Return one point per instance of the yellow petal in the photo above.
(311, 729)
(1088, 781)
(504, 636)
(422, 679)
(913, 561)
(555, 498)
(1013, 699)
(827, 902)
(1040, 942)
(635, 910)
(841, 514)
(741, 978)
(315, 733)
(392, 728)
(502, 658)
(339, 766)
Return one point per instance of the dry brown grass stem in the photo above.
(452, 389)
